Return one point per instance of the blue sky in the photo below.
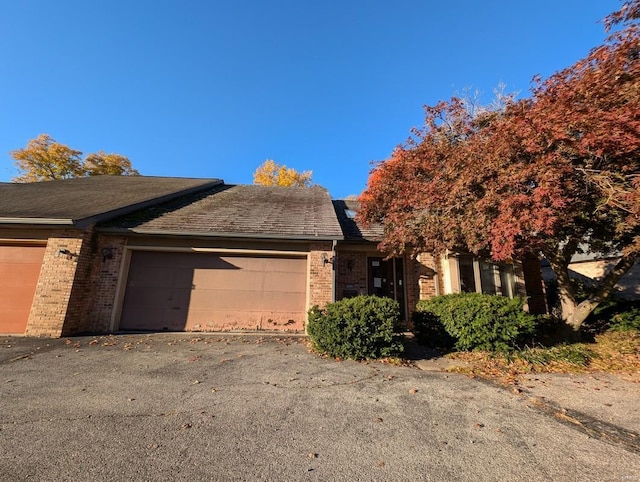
(207, 88)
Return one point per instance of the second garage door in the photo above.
(214, 292)
(19, 272)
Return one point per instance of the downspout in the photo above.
(333, 270)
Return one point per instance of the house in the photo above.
(362, 269)
(122, 253)
(102, 254)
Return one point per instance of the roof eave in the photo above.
(38, 221)
(212, 234)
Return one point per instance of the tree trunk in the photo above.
(574, 313)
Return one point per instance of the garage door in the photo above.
(211, 292)
(19, 272)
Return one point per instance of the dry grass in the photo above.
(612, 352)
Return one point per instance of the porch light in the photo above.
(326, 259)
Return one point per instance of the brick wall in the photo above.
(351, 273)
(320, 274)
(427, 274)
(61, 290)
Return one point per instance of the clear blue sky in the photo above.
(212, 88)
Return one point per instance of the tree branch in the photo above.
(623, 265)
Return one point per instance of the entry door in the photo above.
(386, 278)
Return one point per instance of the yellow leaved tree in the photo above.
(271, 173)
(44, 159)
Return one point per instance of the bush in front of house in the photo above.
(475, 321)
(359, 328)
(429, 330)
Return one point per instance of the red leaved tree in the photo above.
(556, 173)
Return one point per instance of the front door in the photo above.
(386, 278)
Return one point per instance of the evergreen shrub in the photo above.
(359, 328)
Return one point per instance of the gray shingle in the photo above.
(86, 198)
(352, 230)
(240, 210)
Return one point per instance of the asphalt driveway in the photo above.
(189, 407)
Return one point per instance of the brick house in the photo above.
(108, 253)
(362, 269)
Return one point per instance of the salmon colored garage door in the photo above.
(214, 292)
(19, 272)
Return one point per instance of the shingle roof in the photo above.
(352, 230)
(80, 201)
(239, 211)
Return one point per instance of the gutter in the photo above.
(39, 221)
(213, 234)
(333, 270)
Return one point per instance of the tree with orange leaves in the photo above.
(554, 174)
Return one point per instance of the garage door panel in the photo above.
(149, 297)
(247, 280)
(200, 320)
(13, 321)
(21, 254)
(212, 292)
(222, 279)
(19, 275)
(16, 297)
(19, 272)
(230, 300)
(151, 277)
(145, 318)
(285, 282)
(278, 301)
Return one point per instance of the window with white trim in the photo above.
(480, 276)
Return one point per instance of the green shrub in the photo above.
(430, 331)
(358, 328)
(480, 322)
(625, 320)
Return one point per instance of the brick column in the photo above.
(67, 253)
(320, 274)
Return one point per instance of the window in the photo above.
(351, 214)
(478, 276)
